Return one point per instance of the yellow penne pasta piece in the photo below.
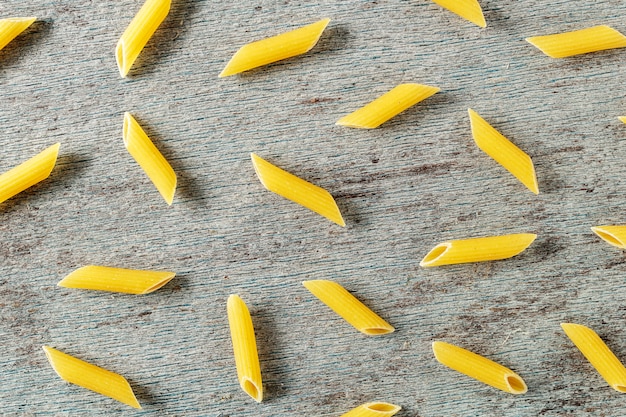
(622, 119)
(613, 235)
(467, 9)
(598, 354)
(479, 368)
(104, 278)
(348, 307)
(29, 173)
(297, 190)
(562, 45)
(140, 30)
(92, 377)
(149, 158)
(503, 151)
(377, 409)
(13, 26)
(387, 106)
(479, 249)
(244, 348)
(276, 48)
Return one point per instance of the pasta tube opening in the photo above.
(613, 235)
(373, 409)
(383, 407)
(516, 384)
(436, 253)
(252, 390)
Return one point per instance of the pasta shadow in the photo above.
(21, 45)
(274, 366)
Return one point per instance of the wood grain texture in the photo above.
(416, 181)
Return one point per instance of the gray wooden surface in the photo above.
(414, 182)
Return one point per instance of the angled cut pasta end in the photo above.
(613, 235)
(515, 384)
(622, 119)
(11, 27)
(435, 254)
(469, 10)
(382, 409)
(251, 388)
(123, 64)
(275, 48)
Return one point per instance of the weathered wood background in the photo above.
(402, 188)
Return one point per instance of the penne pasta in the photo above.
(92, 377)
(149, 158)
(377, 409)
(13, 26)
(562, 45)
(479, 249)
(276, 48)
(479, 368)
(104, 278)
(622, 119)
(244, 348)
(468, 9)
(390, 104)
(598, 354)
(348, 307)
(503, 151)
(297, 190)
(613, 235)
(29, 173)
(138, 32)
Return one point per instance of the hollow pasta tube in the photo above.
(622, 119)
(138, 32)
(598, 354)
(479, 368)
(276, 48)
(348, 307)
(149, 158)
(104, 278)
(613, 235)
(468, 9)
(503, 151)
(478, 249)
(13, 26)
(297, 190)
(385, 107)
(92, 377)
(562, 45)
(28, 173)
(244, 348)
(374, 409)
